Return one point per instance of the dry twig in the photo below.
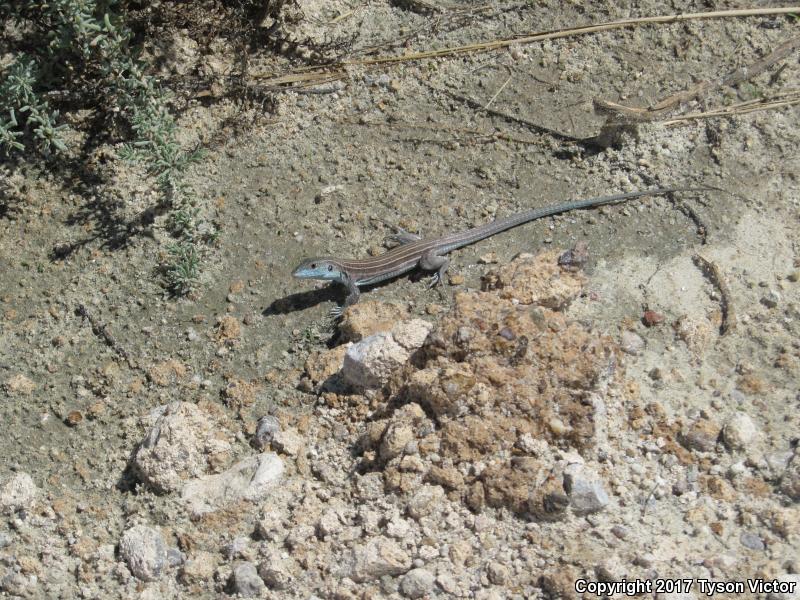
(714, 274)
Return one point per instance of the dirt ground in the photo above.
(329, 170)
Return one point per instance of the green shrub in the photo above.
(77, 49)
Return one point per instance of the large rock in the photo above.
(252, 478)
(185, 442)
(370, 362)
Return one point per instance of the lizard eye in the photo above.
(313, 265)
(330, 267)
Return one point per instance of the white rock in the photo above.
(411, 334)
(181, 445)
(378, 557)
(368, 363)
(328, 523)
(416, 583)
(585, 490)
(739, 431)
(246, 582)
(144, 551)
(288, 441)
(252, 478)
(631, 343)
(425, 500)
(17, 492)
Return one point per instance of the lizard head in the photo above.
(325, 269)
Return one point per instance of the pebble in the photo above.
(288, 441)
(266, 429)
(246, 582)
(276, 573)
(144, 551)
(425, 500)
(620, 531)
(200, 567)
(739, 431)
(585, 490)
(17, 492)
(236, 549)
(651, 318)
(378, 557)
(771, 299)
(631, 343)
(417, 583)
(751, 541)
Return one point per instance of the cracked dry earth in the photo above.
(600, 407)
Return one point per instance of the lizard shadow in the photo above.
(334, 292)
(303, 300)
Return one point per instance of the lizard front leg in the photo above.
(353, 294)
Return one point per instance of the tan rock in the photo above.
(536, 279)
(368, 317)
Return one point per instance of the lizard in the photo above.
(430, 254)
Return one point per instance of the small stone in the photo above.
(288, 441)
(328, 524)
(378, 557)
(620, 531)
(585, 490)
(700, 435)
(425, 500)
(73, 418)
(19, 384)
(395, 440)
(17, 493)
(246, 582)
(184, 442)
(144, 551)
(751, 541)
(266, 429)
(417, 583)
(497, 572)
(771, 299)
(794, 276)
(198, 568)
(276, 572)
(631, 343)
(652, 318)
(739, 431)
(236, 549)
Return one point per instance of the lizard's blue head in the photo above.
(325, 269)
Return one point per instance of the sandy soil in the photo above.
(330, 173)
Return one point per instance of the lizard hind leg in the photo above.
(434, 262)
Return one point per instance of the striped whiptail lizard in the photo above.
(429, 254)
